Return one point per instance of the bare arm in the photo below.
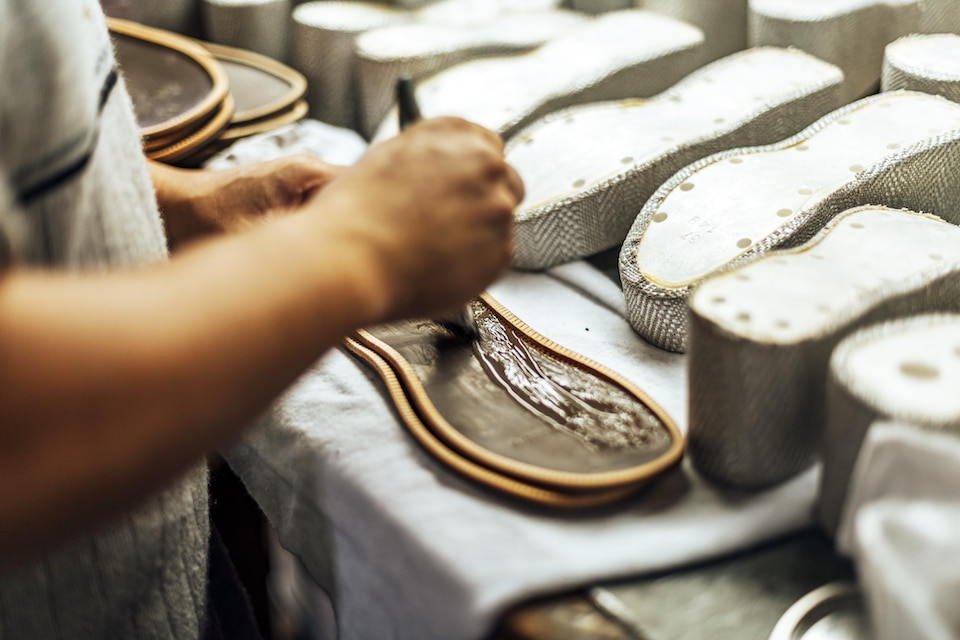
(114, 384)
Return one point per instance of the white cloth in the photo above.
(329, 143)
(407, 549)
(902, 462)
(908, 559)
(900, 524)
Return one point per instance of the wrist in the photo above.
(180, 194)
(344, 249)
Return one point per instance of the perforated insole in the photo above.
(505, 93)
(848, 33)
(761, 335)
(573, 150)
(787, 297)
(906, 371)
(910, 372)
(719, 212)
(588, 170)
(420, 50)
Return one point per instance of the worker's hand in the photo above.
(202, 203)
(431, 211)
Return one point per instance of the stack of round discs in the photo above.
(267, 94)
(180, 92)
(928, 63)
(258, 25)
(192, 99)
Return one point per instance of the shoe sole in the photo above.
(589, 169)
(896, 149)
(761, 335)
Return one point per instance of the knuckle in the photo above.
(494, 166)
(502, 211)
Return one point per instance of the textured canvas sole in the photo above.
(422, 49)
(905, 371)
(761, 335)
(588, 170)
(851, 34)
(325, 34)
(618, 55)
(924, 63)
(899, 149)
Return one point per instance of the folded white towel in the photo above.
(407, 549)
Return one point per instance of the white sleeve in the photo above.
(13, 228)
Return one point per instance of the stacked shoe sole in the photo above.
(192, 99)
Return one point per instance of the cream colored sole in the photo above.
(618, 55)
(421, 50)
(848, 33)
(924, 63)
(761, 335)
(905, 371)
(588, 170)
(899, 149)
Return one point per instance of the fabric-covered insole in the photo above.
(791, 296)
(719, 212)
(503, 94)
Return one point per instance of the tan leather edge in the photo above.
(191, 49)
(467, 467)
(524, 471)
(183, 148)
(296, 80)
(294, 114)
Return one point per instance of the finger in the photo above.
(313, 170)
(515, 184)
(489, 136)
(472, 128)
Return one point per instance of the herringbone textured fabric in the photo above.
(930, 64)
(939, 16)
(256, 25)
(758, 374)
(723, 22)
(921, 175)
(574, 223)
(421, 50)
(851, 37)
(631, 54)
(323, 50)
(857, 397)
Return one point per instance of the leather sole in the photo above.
(519, 413)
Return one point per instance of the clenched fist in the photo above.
(430, 212)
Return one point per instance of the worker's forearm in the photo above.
(111, 385)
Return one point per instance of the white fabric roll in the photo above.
(928, 63)
(323, 51)
(909, 564)
(257, 25)
(848, 33)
